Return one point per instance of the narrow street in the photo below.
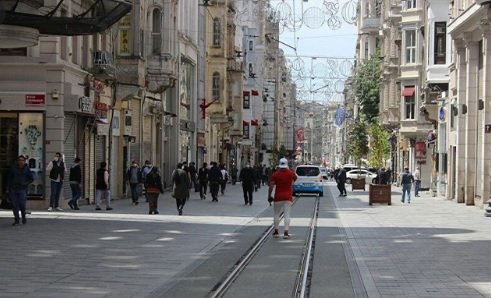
(431, 248)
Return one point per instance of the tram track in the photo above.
(304, 269)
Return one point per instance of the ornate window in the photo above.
(440, 42)
(217, 30)
(409, 102)
(410, 46)
(245, 130)
(215, 86)
(246, 103)
(156, 31)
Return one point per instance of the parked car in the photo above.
(324, 173)
(360, 173)
(309, 180)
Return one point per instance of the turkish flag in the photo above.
(255, 122)
(255, 93)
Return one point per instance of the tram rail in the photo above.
(302, 282)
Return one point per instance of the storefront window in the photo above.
(22, 134)
(31, 146)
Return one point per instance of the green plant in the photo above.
(358, 141)
(379, 145)
(366, 87)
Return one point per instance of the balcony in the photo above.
(103, 67)
(161, 72)
(235, 66)
(370, 24)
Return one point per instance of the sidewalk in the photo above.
(431, 248)
(120, 253)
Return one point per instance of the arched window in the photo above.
(216, 32)
(156, 31)
(215, 86)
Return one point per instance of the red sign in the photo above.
(420, 150)
(101, 110)
(35, 99)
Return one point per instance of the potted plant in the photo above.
(358, 141)
(379, 190)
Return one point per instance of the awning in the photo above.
(98, 17)
(408, 91)
(245, 122)
(245, 93)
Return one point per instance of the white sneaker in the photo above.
(58, 209)
(50, 209)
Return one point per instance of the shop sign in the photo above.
(101, 110)
(420, 150)
(35, 99)
(201, 140)
(85, 105)
(487, 128)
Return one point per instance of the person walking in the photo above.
(134, 178)
(153, 185)
(417, 182)
(180, 191)
(407, 180)
(341, 182)
(281, 182)
(233, 173)
(102, 191)
(223, 182)
(214, 178)
(56, 169)
(193, 173)
(203, 180)
(20, 176)
(75, 180)
(146, 169)
(248, 177)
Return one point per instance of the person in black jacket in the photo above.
(341, 180)
(56, 169)
(203, 180)
(75, 179)
(102, 187)
(18, 179)
(214, 178)
(248, 177)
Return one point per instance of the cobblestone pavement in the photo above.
(120, 253)
(432, 247)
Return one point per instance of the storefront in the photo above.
(22, 133)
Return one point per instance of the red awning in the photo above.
(255, 93)
(408, 91)
(245, 93)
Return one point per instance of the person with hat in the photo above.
(281, 182)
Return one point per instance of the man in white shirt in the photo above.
(417, 182)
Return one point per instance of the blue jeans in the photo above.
(134, 192)
(55, 193)
(76, 194)
(18, 200)
(406, 188)
(417, 187)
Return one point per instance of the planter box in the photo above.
(379, 193)
(358, 183)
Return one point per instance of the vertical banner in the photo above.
(420, 151)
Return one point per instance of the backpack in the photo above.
(152, 178)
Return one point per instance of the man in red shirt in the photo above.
(281, 182)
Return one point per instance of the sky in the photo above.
(315, 36)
